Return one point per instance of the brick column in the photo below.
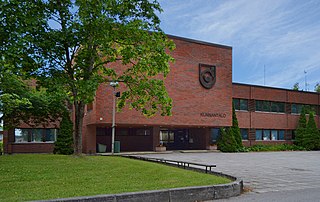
(155, 137)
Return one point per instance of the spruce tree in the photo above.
(235, 130)
(227, 143)
(64, 143)
(311, 137)
(301, 129)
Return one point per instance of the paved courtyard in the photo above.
(262, 171)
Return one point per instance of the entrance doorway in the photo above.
(175, 139)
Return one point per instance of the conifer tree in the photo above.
(64, 143)
(301, 130)
(311, 138)
(227, 143)
(235, 130)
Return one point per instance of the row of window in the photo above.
(267, 134)
(269, 106)
(124, 131)
(35, 135)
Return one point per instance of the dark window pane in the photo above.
(243, 104)
(236, 104)
(36, 135)
(143, 132)
(258, 134)
(281, 134)
(294, 109)
(266, 106)
(259, 105)
(244, 133)
(215, 133)
(50, 135)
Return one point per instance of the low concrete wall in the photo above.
(184, 194)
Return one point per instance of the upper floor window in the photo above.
(240, 104)
(268, 106)
(297, 108)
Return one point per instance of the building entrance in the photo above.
(175, 139)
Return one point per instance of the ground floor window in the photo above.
(35, 135)
(166, 136)
(244, 133)
(215, 134)
(269, 134)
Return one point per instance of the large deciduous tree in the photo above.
(74, 45)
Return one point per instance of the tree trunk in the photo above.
(77, 137)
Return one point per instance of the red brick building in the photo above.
(200, 84)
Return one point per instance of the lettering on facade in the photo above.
(207, 75)
(214, 115)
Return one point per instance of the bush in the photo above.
(278, 147)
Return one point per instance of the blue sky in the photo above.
(281, 35)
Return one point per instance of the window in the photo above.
(267, 134)
(35, 135)
(166, 136)
(267, 106)
(215, 134)
(90, 106)
(297, 108)
(240, 104)
(258, 134)
(244, 133)
(143, 132)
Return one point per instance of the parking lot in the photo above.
(262, 171)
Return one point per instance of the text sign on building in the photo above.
(207, 75)
(213, 115)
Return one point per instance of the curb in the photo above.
(184, 194)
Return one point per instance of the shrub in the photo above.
(311, 138)
(301, 130)
(278, 147)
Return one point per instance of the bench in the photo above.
(184, 164)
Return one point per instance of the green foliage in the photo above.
(296, 86)
(317, 88)
(73, 46)
(64, 143)
(235, 130)
(301, 129)
(21, 100)
(311, 139)
(277, 147)
(230, 139)
(227, 142)
(40, 177)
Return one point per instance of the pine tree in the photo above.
(64, 143)
(301, 129)
(311, 138)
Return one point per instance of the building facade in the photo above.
(200, 84)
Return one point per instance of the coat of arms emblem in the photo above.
(207, 75)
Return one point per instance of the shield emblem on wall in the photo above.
(207, 75)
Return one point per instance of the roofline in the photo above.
(199, 42)
(276, 88)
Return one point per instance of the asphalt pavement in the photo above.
(267, 176)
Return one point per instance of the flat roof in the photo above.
(198, 41)
(276, 88)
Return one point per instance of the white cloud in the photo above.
(283, 35)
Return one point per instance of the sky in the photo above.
(274, 42)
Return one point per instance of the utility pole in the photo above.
(305, 81)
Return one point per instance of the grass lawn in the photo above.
(35, 176)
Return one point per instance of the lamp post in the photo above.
(113, 84)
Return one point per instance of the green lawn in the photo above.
(34, 177)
